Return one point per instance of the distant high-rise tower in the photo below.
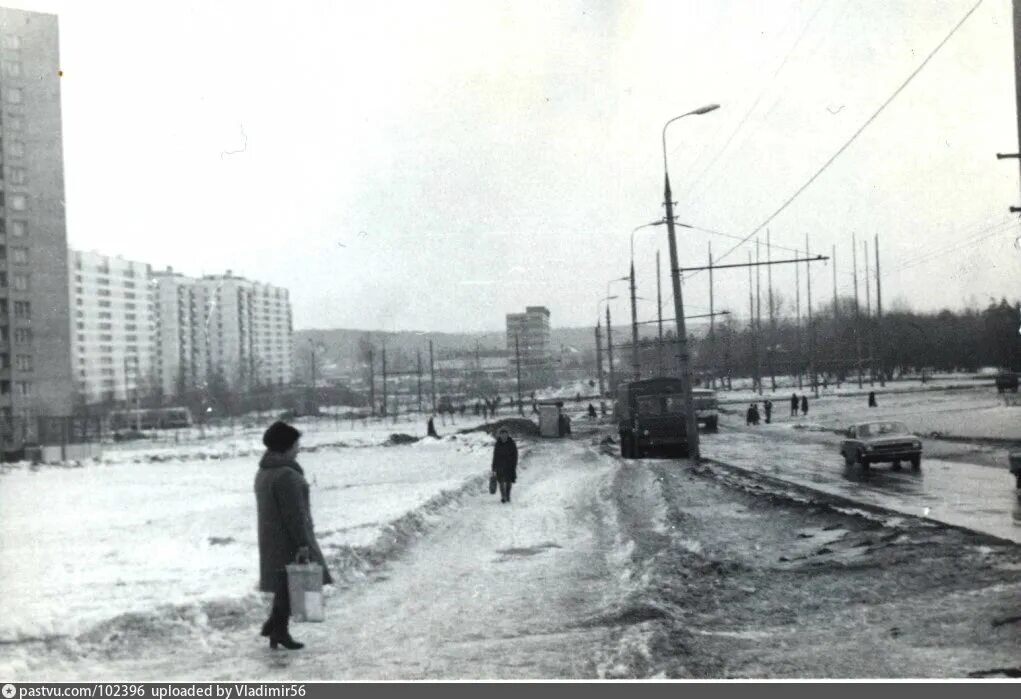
(35, 323)
(532, 330)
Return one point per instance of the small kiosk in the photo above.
(552, 421)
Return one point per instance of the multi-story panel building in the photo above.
(35, 341)
(113, 327)
(251, 330)
(532, 332)
(221, 323)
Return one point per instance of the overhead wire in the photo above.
(857, 133)
(744, 119)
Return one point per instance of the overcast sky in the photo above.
(435, 165)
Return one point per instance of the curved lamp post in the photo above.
(684, 359)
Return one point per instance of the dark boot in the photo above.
(279, 635)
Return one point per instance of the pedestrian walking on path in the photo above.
(285, 527)
(768, 407)
(431, 429)
(794, 405)
(752, 416)
(872, 399)
(505, 463)
(804, 405)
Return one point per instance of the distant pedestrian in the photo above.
(752, 416)
(485, 411)
(872, 399)
(794, 405)
(591, 412)
(804, 405)
(463, 408)
(577, 398)
(430, 429)
(285, 530)
(768, 407)
(505, 463)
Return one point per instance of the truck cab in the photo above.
(649, 415)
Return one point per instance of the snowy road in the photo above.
(949, 488)
(524, 590)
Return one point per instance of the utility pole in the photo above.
(712, 324)
(683, 358)
(659, 311)
(868, 317)
(432, 376)
(772, 316)
(599, 359)
(879, 310)
(517, 363)
(836, 320)
(758, 316)
(797, 322)
(609, 348)
(418, 356)
(372, 384)
(751, 323)
(384, 382)
(811, 324)
(635, 359)
(857, 305)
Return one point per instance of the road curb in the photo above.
(829, 499)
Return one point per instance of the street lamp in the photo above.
(635, 359)
(609, 332)
(682, 337)
(599, 353)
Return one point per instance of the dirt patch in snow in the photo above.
(762, 583)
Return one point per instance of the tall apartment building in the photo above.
(182, 340)
(114, 327)
(250, 328)
(532, 330)
(35, 342)
(221, 323)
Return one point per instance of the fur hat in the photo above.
(280, 437)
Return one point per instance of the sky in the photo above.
(434, 166)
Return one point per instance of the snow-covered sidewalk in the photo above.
(510, 591)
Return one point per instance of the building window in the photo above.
(102, 304)
(18, 202)
(25, 388)
(23, 362)
(12, 122)
(20, 282)
(12, 68)
(17, 175)
(105, 315)
(12, 42)
(22, 309)
(19, 256)
(81, 337)
(22, 336)
(13, 95)
(15, 149)
(79, 326)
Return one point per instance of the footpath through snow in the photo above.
(538, 588)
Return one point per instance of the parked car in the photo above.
(872, 442)
(1015, 466)
(706, 408)
(1007, 381)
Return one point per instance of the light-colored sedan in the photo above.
(882, 441)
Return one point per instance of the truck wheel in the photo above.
(896, 465)
(864, 461)
(848, 459)
(625, 450)
(916, 462)
(712, 424)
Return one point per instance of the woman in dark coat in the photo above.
(505, 463)
(285, 527)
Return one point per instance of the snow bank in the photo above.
(116, 550)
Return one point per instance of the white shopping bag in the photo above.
(305, 585)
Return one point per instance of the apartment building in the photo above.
(531, 331)
(35, 340)
(114, 327)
